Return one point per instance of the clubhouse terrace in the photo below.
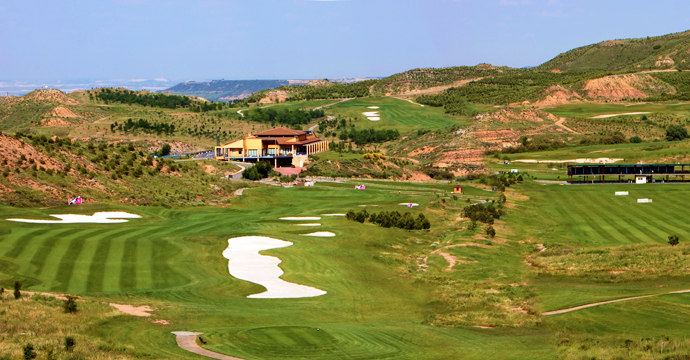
(280, 146)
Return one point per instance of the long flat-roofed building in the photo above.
(628, 173)
(280, 146)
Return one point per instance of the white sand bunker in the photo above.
(578, 161)
(321, 234)
(332, 214)
(245, 263)
(308, 224)
(373, 107)
(372, 115)
(612, 115)
(301, 218)
(409, 204)
(111, 217)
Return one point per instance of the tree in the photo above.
(165, 150)
(676, 132)
(70, 305)
(673, 240)
(17, 287)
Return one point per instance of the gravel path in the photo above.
(187, 341)
(555, 312)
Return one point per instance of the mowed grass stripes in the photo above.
(94, 258)
(593, 216)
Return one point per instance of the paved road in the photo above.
(187, 341)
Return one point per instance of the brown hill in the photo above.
(50, 95)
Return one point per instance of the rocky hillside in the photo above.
(651, 53)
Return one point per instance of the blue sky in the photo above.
(303, 39)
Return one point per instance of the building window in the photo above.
(251, 153)
(271, 151)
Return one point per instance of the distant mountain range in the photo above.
(226, 90)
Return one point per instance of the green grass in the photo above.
(590, 110)
(377, 305)
(394, 114)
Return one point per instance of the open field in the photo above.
(394, 113)
(378, 303)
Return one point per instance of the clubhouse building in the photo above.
(280, 146)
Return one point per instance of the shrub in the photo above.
(17, 287)
(676, 132)
(70, 305)
(635, 139)
(490, 231)
(69, 343)
(29, 352)
(673, 240)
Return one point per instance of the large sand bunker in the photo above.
(301, 218)
(247, 264)
(308, 224)
(111, 217)
(332, 214)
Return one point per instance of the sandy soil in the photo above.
(408, 204)
(133, 310)
(373, 107)
(245, 263)
(308, 224)
(97, 218)
(332, 214)
(62, 111)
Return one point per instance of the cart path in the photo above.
(555, 312)
(187, 341)
(561, 124)
(239, 192)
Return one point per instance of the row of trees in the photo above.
(284, 116)
(391, 219)
(154, 100)
(368, 136)
(143, 125)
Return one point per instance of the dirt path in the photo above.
(560, 124)
(327, 105)
(239, 192)
(408, 100)
(187, 341)
(562, 311)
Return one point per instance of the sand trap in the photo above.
(111, 217)
(133, 310)
(612, 115)
(247, 264)
(373, 107)
(408, 204)
(308, 224)
(332, 214)
(321, 234)
(301, 218)
(372, 115)
(578, 161)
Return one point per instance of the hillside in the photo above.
(224, 90)
(411, 82)
(670, 51)
(315, 89)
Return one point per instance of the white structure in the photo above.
(640, 179)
